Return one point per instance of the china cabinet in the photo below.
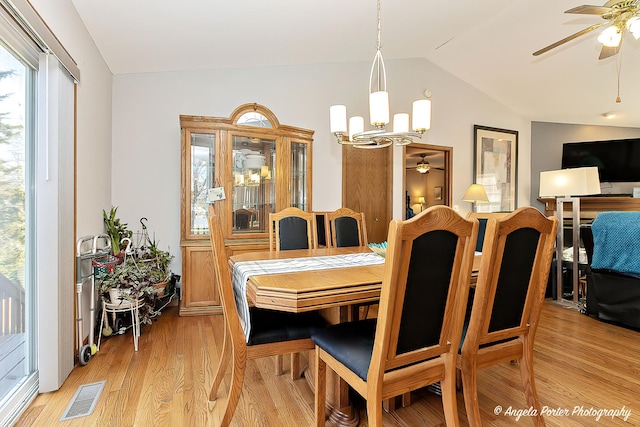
(262, 165)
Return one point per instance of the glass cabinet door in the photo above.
(298, 175)
(202, 179)
(253, 183)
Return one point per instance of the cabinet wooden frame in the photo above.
(221, 131)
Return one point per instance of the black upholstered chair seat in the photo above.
(350, 343)
(269, 326)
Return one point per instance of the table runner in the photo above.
(242, 271)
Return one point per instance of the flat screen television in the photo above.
(617, 160)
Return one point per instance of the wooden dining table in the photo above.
(332, 291)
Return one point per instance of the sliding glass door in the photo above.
(17, 351)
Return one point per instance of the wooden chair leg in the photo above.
(278, 360)
(470, 393)
(222, 365)
(528, 383)
(237, 377)
(321, 390)
(374, 411)
(449, 401)
(295, 366)
(406, 399)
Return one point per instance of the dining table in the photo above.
(333, 290)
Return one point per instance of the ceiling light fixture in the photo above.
(611, 36)
(423, 167)
(633, 25)
(379, 113)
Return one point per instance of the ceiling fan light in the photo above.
(633, 25)
(610, 36)
(423, 167)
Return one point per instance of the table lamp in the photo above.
(475, 194)
(564, 185)
(421, 201)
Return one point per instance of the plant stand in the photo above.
(121, 307)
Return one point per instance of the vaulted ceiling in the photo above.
(488, 44)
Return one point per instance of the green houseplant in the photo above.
(143, 273)
(115, 229)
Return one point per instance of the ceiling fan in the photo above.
(617, 16)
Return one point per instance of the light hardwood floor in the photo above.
(579, 362)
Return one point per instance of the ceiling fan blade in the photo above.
(567, 39)
(589, 10)
(606, 51)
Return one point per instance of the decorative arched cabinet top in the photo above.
(254, 115)
(250, 117)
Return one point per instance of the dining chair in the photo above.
(516, 257)
(482, 218)
(347, 228)
(414, 341)
(322, 229)
(291, 228)
(272, 332)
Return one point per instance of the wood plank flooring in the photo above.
(579, 362)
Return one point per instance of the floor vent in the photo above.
(84, 401)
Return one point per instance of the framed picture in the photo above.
(496, 167)
(437, 193)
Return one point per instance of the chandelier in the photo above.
(423, 167)
(379, 113)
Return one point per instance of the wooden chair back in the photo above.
(347, 228)
(291, 228)
(424, 289)
(322, 236)
(482, 218)
(509, 294)
(421, 312)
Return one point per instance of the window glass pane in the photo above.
(202, 179)
(254, 183)
(14, 277)
(254, 119)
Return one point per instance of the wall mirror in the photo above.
(427, 177)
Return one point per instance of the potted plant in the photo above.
(131, 280)
(116, 231)
(158, 261)
(143, 272)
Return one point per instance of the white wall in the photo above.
(146, 133)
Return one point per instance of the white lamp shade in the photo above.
(401, 122)
(570, 182)
(476, 194)
(338, 118)
(610, 36)
(356, 125)
(421, 115)
(379, 108)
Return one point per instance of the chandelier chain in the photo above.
(379, 39)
